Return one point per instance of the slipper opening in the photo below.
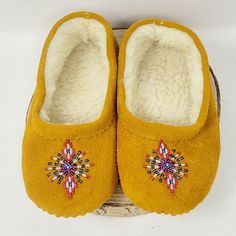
(76, 73)
(163, 76)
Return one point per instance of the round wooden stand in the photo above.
(119, 204)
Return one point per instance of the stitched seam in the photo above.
(156, 139)
(100, 132)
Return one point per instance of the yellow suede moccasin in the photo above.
(168, 129)
(69, 146)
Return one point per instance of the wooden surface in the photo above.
(119, 204)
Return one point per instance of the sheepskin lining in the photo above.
(76, 73)
(163, 76)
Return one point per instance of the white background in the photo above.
(24, 25)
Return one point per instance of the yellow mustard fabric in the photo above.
(98, 139)
(198, 143)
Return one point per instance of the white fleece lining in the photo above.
(76, 73)
(163, 76)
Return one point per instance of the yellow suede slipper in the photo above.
(168, 128)
(69, 146)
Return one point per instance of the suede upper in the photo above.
(199, 144)
(95, 140)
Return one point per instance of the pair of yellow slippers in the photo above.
(165, 139)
